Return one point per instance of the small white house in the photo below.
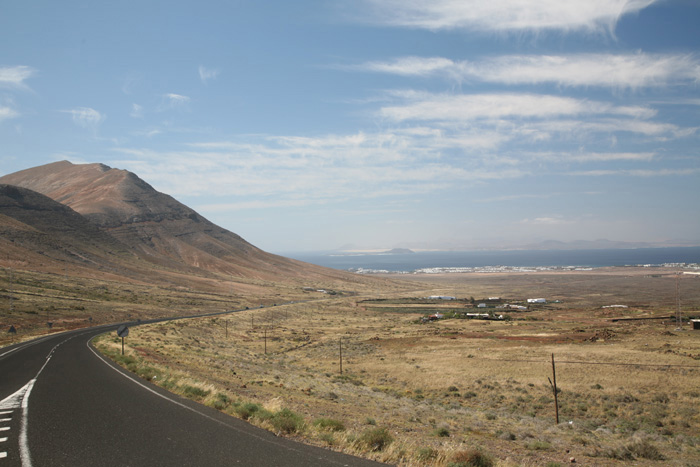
(536, 300)
(481, 305)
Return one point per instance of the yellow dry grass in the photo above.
(629, 389)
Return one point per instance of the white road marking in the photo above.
(2, 440)
(3, 454)
(21, 399)
(23, 442)
(4, 428)
(5, 419)
(6, 412)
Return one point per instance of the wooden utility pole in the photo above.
(226, 326)
(341, 355)
(554, 387)
(265, 337)
(679, 322)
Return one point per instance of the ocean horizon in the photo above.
(465, 261)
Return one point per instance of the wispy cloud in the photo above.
(86, 117)
(503, 15)
(136, 111)
(408, 66)
(7, 113)
(173, 101)
(619, 71)
(593, 156)
(207, 74)
(645, 173)
(465, 107)
(305, 170)
(15, 76)
(551, 220)
(176, 99)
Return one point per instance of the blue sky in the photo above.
(378, 123)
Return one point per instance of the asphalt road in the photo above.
(62, 404)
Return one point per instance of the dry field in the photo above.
(456, 391)
(29, 299)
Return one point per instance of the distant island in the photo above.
(399, 251)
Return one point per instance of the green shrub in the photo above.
(539, 445)
(147, 373)
(442, 432)
(329, 424)
(193, 392)
(221, 402)
(262, 415)
(633, 450)
(374, 439)
(287, 421)
(470, 458)
(327, 438)
(247, 410)
(645, 450)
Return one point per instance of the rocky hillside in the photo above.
(156, 227)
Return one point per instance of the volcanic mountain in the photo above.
(127, 211)
(37, 228)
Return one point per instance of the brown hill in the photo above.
(39, 230)
(158, 228)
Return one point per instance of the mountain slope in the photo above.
(157, 227)
(38, 228)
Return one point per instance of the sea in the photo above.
(508, 260)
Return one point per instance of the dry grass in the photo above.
(72, 298)
(436, 391)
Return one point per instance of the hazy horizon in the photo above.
(305, 126)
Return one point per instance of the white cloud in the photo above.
(173, 101)
(645, 173)
(503, 15)
(177, 99)
(617, 71)
(466, 107)
(14, 76)
(136, 111)
(6, 113)
(594, 156)
(409, 66)
(552, 220)
(206, 74)
(305, 170)
(86, 117)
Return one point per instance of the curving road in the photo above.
(63, 404)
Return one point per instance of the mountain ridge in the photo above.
(156, 227)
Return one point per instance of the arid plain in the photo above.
(455, 390)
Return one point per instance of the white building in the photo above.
(536, 300)
(441, 297)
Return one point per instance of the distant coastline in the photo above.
(501, 260)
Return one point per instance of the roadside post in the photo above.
(554, 389)
(122, 332)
